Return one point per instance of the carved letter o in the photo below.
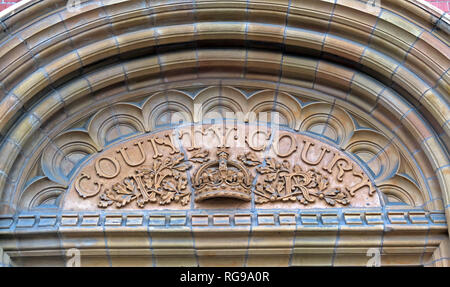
(102, 173)
(292, 148)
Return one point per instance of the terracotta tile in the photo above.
(44, 30)
(430, 50)
(414, 62)
(300, 71)
(167, 35)
(334, 76)
(417, 125)
(264, 32)
(410, 82)
(437, 106)
(98, 51)
(377, 62)
(7, 157)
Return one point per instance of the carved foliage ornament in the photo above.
(153, 170)
(283, 183)
(161, 182)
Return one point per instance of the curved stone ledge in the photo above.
(334, 238)
(359, 219)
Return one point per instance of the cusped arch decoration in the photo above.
(371, 148)
(372, 81)
(115, 122)
(219, 102)
(327, 120)
(375, 150)
(167, 108)
(41, 193)
(403, 190)
(263, 104)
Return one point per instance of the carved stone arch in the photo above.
(385, 67)
(167, 106)
(327, 120)
(41, 193)
(215, 102)
(69, 149)
(114, 122)
(401, 189)
(286, 107)
(376, 151)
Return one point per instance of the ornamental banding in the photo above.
(169, 169)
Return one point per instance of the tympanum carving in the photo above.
(165, 169)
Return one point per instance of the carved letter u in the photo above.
(126, 158)
(305, 153)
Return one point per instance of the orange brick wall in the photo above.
(6, 3)
(442, 4)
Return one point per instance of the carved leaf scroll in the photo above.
(164, 181)
(283, 183)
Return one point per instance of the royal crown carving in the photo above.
(166, 170)
(222, 178)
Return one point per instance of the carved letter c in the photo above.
(81, 191)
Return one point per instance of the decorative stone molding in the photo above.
(362, 97)
(387, 164)
(361, 219)
(290, 235)
(5, 261)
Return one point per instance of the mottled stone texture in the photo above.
(83, 92)
(444, 5)
(222, 173)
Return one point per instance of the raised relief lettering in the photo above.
(126, 158)
(365, 182)
(101, 170)
(305, 150)
(156, 152)
(280, 182)
(81, 191)
(342, 163)
(250, 140)
(227, 136)
(167, 140)
(192, 136)
(292, 146)
(153, 170)
(222, 134)
(164, 181)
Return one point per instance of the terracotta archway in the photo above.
(371, 81)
